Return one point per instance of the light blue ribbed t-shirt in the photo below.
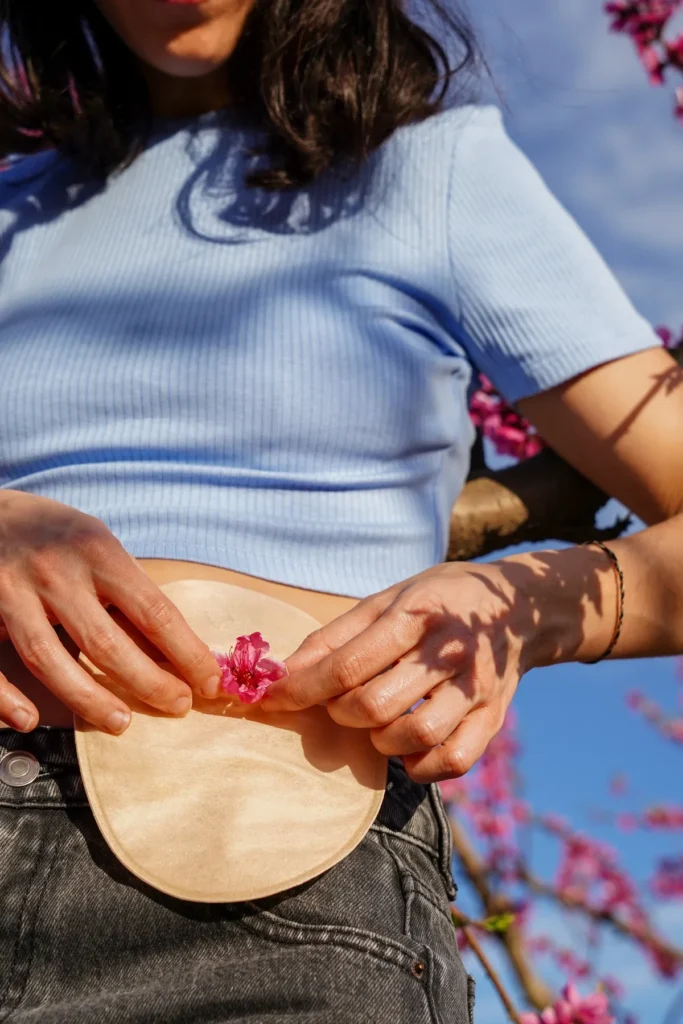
(278, 384)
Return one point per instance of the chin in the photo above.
(185, 66)
(194, 53)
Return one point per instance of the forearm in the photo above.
(574, 595)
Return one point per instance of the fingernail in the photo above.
(181, 706)
(22, 720)
(210, 689)
(118, 722)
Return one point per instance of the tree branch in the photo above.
(537, 500)
(667, 949)
(463, 923)
(535, 989)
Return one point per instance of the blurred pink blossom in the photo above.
(509, 433)
(647, 23)
(573, 1008)
(668, 879)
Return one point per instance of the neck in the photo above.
(173, 97)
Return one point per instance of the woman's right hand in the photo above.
(58, 565)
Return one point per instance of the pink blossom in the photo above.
(679, 103)
(634, 700)
(573, 1008)
(509, 433)
(664, 817)
(613, 987)
(647, 23)
(246, 673)
(618, 785)
(450, 789)
(674, 50)
(675, 729)
(652, 64)
(668, 881)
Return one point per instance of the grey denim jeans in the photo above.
(82, 941)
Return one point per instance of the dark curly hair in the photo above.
(330, 80)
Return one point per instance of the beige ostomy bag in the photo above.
(230, 803)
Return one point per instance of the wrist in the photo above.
(569, 599)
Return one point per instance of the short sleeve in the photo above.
(537, 304)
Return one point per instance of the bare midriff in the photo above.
(323, 607)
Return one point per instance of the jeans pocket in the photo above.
(358, 904)
(286, 932)
(428, 923)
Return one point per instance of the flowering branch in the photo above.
(647, 22)
(671, 728)
(666, 952)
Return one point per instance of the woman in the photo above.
(247, 272)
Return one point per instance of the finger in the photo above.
(338, 632)
(429, 725)
(375, 649)
(157, 618)
(15, 709)
(389, 695)
(39, 648)
(459, 753)
(111, 650)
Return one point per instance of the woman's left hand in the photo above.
(459, 636)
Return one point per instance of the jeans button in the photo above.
(19, 768)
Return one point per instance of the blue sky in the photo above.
(579, 105)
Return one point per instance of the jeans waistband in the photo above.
(59, 782)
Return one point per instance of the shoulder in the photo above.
(459, 152)
(452, 130)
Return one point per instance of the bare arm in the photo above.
(621, 425)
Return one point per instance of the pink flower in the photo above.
(246, 673)
(668, 881)
(674, 728)
(653, 65)
(509, 433)
(450, 789)
(679, 103)
(573, 1008)
(674, 50)
(634, 699)
(618, 785)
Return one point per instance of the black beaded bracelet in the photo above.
(620, 598)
